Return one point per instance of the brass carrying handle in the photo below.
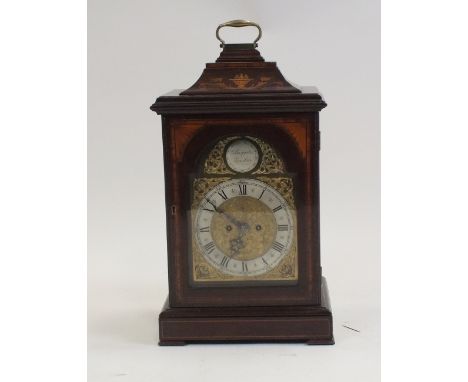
(238, 24)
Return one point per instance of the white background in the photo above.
(138, 50)
(43, 195)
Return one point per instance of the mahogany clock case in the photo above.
(287, 118)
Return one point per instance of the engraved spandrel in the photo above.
(271, 162)
(214, 163)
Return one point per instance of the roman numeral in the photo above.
(277, 246)
(262, 193)
(205, 229)
(209, 247)
(222, 194)
(214, 205)
(276, 209)
(265, 261)
(244, 267)
(243, 189)
(225, 261)
(283, 227)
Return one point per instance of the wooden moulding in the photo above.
(306, 102)
(311, 324)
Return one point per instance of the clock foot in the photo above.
(330, 341)
(171, 343)
(311, 324)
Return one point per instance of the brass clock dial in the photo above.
(244, 227)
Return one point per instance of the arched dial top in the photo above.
(244, 227)
(243, 155)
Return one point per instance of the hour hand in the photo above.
(232, 219)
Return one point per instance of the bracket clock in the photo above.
(241, 161)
